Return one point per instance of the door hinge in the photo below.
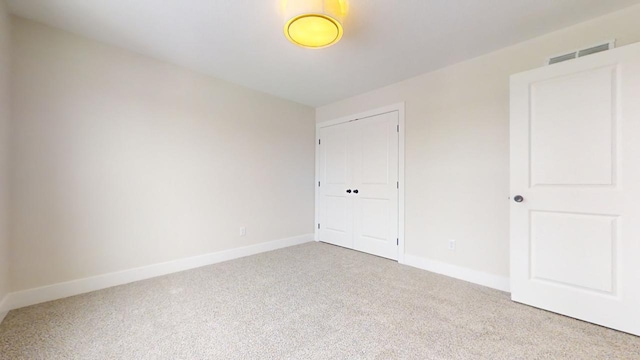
(397, 184)
(318, 226)
(398, 128)
(398, 241)
(319, 141)
(318, 183)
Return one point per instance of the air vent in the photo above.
(595, 49)
(583, 52)
(561, 58)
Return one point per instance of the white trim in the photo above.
(401, 122)
(473, 276)
(34, 296)
(382, 110)
(399, 107)
(3, 313)
(316, 179)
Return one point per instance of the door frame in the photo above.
(400, 108)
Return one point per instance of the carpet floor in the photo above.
(313, 301)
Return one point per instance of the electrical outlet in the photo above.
(243, 231)
(452, 245)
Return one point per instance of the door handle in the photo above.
(518, 198)
(349, 191)
(355, 191)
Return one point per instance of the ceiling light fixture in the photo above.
(314, 24)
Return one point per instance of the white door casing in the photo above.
(575, 160)
(358, 181)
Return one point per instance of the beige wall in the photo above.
(4, 148)
(457, 143)
(122, 161)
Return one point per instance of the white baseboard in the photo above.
(3, 313)
(38, 295)
(477, 277)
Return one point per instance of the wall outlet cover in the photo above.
(452, 245)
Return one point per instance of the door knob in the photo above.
(518, 198)
(349, 191)
(355, 191)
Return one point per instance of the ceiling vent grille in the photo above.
(583, 52)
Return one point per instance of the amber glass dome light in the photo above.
(314, 24)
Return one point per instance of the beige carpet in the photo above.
(313, 301)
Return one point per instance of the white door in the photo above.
(336, 205)
(575, 185)
(375, 177)
(359, 185)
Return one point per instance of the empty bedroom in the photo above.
(319, 179)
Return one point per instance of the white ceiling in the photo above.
(242, 40)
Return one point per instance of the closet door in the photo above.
(375, 183)
(358, 185)
(336, 203)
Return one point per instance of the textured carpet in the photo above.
(313, 301)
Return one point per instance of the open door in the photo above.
(575, 186)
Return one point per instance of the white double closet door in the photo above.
(358, 188)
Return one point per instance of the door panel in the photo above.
(375, 218)
(574, 250)
(374, 151)
(336, 160)
(574, 158)
(572, 124)
(336, 207)
(375, 175)
(336, 219)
